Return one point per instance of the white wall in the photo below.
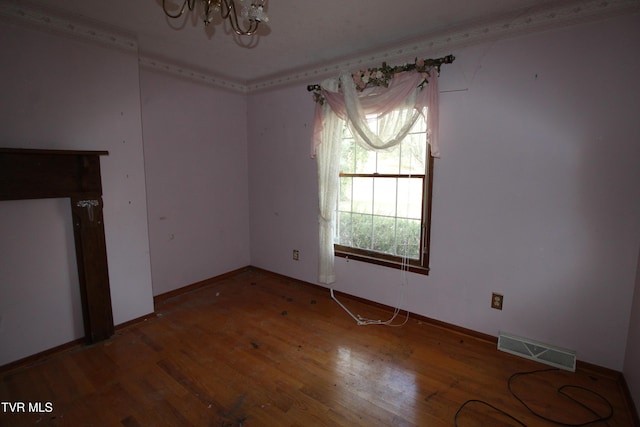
(195, 146)
(535, 196)
(59, 93)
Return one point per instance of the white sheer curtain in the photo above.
(397, 108)
(328, 130)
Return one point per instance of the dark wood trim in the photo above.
(39, 174)
(41, 356)
(599, 370)
(444, 325)
(43, 174)
(91, 253)
(382, 175)
(135, 321)
(192, 287)
(426, 235)
(53, 152)
(457, 329)
(69, 346)
(356, 256)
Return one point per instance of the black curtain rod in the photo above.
(428, 63)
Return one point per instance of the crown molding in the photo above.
(529, 21)
(45, 20)
(188, 73)
(48, 21)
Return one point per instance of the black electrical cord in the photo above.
(482, 402)
(561, 390)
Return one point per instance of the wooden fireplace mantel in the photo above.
(41, 174)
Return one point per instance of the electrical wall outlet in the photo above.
(296, 255)
(496, 301)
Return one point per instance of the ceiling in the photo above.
(303, 39)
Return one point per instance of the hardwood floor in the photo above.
(257, 349)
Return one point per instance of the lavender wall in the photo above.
(535, 196)
(59, 93)
(26, 311)
(197, 180)
(282, 183)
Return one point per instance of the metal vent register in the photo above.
(544, 353)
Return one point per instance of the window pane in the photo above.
(414, 154)
(365, 160)
(389, 161)
(384, 196)
(348, 156)
(344, 230)
(410, 198)
(383, 214)
(346, 192)
(361, 226)
(408, 238)
(363, 195)
(384, 234)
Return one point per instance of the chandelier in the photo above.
(252, 14)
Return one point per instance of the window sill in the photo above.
(382, 262)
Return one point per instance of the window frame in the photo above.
(421, 265)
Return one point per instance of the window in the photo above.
(384, 202)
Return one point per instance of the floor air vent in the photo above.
(544, 353)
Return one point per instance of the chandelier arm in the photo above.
(226, 9)
(190, 3)
(253, 27)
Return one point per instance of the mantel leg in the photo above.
(93, 274)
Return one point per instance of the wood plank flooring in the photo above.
(257, 349)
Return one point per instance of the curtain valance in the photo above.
(406, 92)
